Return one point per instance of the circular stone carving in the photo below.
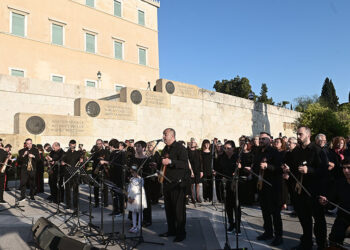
(92, 108)
(170, 88)
(35, 125)
(136, 97)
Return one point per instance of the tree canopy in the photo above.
(263, 95)
(237, 87)
(328, 96)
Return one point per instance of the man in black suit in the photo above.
(175, 158)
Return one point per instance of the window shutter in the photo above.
(57, 34)
(90, 43)
(18, 24)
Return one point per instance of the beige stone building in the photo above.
(70, 41)
(51, 52)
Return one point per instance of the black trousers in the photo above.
(175, 210)
(53, 178)
(308, 208)
(147, 212)
(231, 206)
(40, 179)
(27, 177)
(219, 190)
(72, 185)
(270, 203)
(337, 235)
(2, 186)
(207, 187)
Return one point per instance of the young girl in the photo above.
(134, 199)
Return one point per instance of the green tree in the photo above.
(263, 95)
(323, 120)
(328, 96)
(303, 102)
(237, 87)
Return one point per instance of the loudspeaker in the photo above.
(49, 237)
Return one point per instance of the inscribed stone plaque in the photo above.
(136, 97)
(35, 125)
(170, 88)
(92, 108)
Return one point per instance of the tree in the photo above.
(323, 120)
(282, 104)
(237, 87)
(263, 95)
(303, 102)
(328, 96)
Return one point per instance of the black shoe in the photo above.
(22, 199)
(278, 240)
(230, 229)
(179, 238)
(2, 202)
(166, 234)
(97, 205)
(32, 198)
(264, 237)
(49, 198)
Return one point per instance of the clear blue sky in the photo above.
(291, 45)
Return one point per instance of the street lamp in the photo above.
(251, 95)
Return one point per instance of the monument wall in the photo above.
(49, 112)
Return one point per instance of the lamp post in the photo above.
(99, 75)
(251, 96)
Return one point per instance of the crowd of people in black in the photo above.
(308, 176)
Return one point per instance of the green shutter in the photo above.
(142, 56)
(141, 17)
(57, 78)
(57, 34)
(118, 50)
(18, 23)
(90, 3)
(16, 72)
(117, 8)
(90, 43)
(90, 84)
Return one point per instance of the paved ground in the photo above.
(205, 228)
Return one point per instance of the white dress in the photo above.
(134, 193)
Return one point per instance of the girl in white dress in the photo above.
(134, 199)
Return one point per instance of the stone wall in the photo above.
(70, 111)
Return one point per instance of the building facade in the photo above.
(70, 41)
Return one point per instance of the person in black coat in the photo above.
(175, 158)
(195, 161)
(267, 164)
(206, 157)
(27, 159)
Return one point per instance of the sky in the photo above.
(291, 45)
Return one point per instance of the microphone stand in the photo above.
(227, 244)
(213, 184)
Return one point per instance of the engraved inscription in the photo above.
(68, 127)
(154, 100)
(186, 91)
(118, 112)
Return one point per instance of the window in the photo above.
(90, 3)
(118, 50)
(90, 43)
(18, 24)
(118, 87)
(90, 83)
(117, 8)
(141, 17)
(57, 34)
(57, 78)
(17, 72)
(142, 56)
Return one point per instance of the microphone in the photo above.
(152, 175)
(159, 140)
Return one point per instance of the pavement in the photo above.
(205, 226)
